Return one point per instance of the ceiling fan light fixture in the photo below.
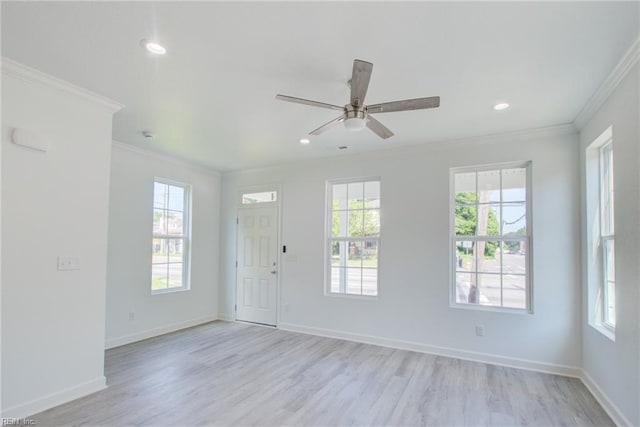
(355, 123)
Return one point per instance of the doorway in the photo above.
(257, 264)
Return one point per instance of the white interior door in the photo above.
(257, 269)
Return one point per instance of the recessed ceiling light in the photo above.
(153, 47)
(501, 106)
(148, 135)
(304, 141)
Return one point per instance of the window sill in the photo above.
(504, 310)
(604, 330)
(168, 291)
(351, 296)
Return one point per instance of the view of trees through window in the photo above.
(354, 241)
(491, 237)
(170, 237)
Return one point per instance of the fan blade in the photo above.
(405, 105)
(328, 125)
(381, 130)
(309, 102)
(360, 81)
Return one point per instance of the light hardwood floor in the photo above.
(234, 374)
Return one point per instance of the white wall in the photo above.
(129, 261)
(54, 204)
(412, 309)
(614, 367)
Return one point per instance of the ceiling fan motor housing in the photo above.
(355, 112)
(355, 118)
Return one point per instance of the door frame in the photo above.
(278, 205)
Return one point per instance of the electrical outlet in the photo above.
(68, 263)
(480, 330)
(132, 316)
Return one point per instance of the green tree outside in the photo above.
(514, 246)
(466, 220)
(361, 222)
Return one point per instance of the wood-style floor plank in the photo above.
(235, 374)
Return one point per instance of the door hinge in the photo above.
(236, 307)
(236, 264)
(237, 220)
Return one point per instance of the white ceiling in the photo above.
(211, 98)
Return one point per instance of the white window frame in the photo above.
(263, 188)
(329, 239)
(595, 265)
(247, 201)
(605, 237)
(185, 236)
(526, 238)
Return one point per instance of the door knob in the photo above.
(273, 272)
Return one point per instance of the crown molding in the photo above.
(155, 155)
(517, 135)
(20, 71)
(610, 84)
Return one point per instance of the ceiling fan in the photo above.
(356, 115)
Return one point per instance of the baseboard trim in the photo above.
(226, 317)
(512, 362)
(150, 333)
(610, 408)
(49, 401)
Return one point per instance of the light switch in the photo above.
(68, 263)
(30, 139)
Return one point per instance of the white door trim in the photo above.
(278, 203)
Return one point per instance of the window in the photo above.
(353, 230)
(491, 229)
(263, 197)
(607, 237)
(171, 237)
(600, 234)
